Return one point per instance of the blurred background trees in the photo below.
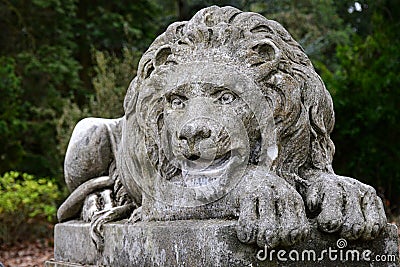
(62, 60)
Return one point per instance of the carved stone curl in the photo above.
(226, 118)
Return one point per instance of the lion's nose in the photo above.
(194, 132)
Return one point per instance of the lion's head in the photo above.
(226, 89)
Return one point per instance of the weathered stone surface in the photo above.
(204, 243)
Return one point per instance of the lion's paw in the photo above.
(272, 213)
(346, 206)
(97, 203)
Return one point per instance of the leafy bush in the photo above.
(28, 206)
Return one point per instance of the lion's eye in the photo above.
(227, 98)
(177, 102)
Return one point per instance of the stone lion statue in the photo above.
(226, 118)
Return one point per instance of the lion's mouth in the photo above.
(197, 171)
(196, 163)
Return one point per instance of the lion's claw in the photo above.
(272, 213)
(347, 206)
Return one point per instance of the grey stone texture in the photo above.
(226, 119)
(198, 243)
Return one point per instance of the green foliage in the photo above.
(113, 75)
(11, 116)
(38, 36)
(110, 25)
(26, 203)
(30, 24)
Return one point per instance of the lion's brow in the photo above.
(198, 89)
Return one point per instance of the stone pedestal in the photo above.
(210, 243)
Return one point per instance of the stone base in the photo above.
(210, 243)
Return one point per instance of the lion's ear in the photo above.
(162, 56)
(264, 53)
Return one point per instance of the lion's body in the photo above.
(228, 118)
